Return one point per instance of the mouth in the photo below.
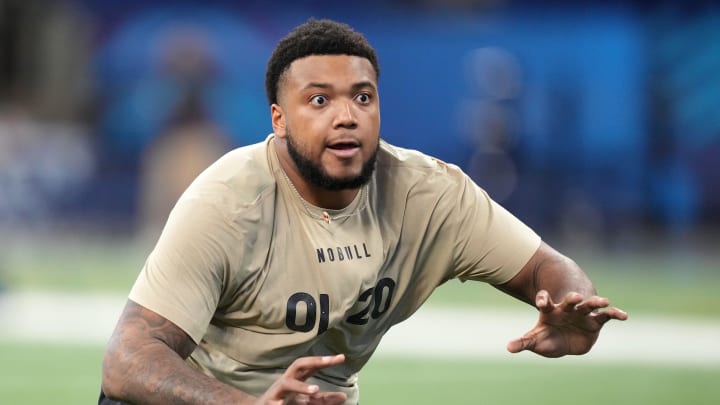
(345, 148)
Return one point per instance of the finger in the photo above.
(543, 301)
(591, 304)
(304, 367)
(571, 300)
(328, 398)
(289, 387)
(610, 313)
(300, 399)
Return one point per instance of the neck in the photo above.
(319, 197)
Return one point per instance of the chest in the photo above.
(316, 271)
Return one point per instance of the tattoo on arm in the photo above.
(144, 364)
(155, 326)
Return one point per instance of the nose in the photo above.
(345, 117)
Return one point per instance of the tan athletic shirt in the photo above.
(258, 277)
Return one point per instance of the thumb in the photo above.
(520, 344)
(543, 302)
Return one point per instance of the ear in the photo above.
(277, 115)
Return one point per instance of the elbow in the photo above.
(112, 375)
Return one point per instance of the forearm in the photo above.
(551, 271)
(559, 275)
(144, 364)
(154, 374)
(570, 317)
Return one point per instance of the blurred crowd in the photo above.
(590, 121)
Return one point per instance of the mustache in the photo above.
(316, 175)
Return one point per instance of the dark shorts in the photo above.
(103, 400)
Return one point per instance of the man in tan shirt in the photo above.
(285, 262)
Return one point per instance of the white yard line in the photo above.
(451, 333)
(461, 333)
(58, 318)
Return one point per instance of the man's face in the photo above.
(329, 116)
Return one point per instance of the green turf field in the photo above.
(420, 382)
(665, 284)
(669, 285)
(39, 374)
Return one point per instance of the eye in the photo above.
(363, 98)
(318, 100)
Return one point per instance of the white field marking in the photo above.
(64, 318)
(465, 333)
(454, 333)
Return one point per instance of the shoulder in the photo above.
(412, 168)
(241, 178)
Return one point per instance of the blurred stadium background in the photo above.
(597, 123)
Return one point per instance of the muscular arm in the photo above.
(551, 271)
(144, 364)
(570, 311)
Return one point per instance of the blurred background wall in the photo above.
(598, 123)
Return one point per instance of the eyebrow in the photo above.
(355, 87)
(363, 84)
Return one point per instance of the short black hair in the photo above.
(315, 37)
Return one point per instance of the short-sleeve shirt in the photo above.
(258, 277)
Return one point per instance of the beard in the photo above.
(317, 176)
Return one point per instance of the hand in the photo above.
(291, 389)
(569, 327)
